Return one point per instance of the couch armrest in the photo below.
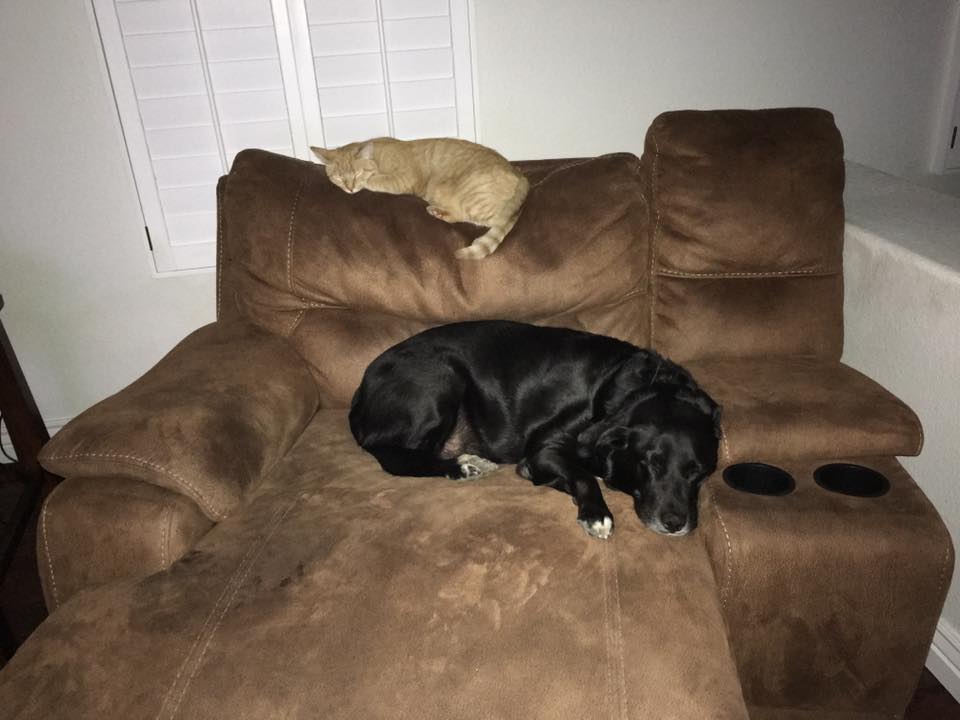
(793, 408)
(95, 530)
(206, 421)
(830, 600)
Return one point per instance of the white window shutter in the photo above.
(391, 67)
(196, 81)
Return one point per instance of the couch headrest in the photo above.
(296, 246)
(747, 233)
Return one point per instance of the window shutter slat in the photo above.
(341, 11)
(400, 9)
(417, 34)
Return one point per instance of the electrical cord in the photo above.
(2, 450)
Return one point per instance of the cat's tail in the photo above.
(487, 243)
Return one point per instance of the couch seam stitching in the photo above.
(233, 594)
(618, 616)
(290, 226)
(726, 446)
(90, 457)
(728, 556)
(165, 533)
(608, 660)
(313, 305)
(240, 575)
(296, 322)
(203, 629)
(824, 272)
(46, 548)
(652, 274)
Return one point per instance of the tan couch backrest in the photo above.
(733, 215)
(346, 276)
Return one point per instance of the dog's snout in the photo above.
(673, 522)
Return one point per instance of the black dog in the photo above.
(567, 406)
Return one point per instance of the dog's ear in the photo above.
(600, 439)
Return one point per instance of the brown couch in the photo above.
(221, 548)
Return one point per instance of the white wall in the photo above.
(902, 328)
(82, 309)
(555, 78)
(568, 77)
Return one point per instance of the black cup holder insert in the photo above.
(759, 479)
(850, 479)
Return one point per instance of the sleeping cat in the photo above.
(460, 180)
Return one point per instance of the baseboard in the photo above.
(944, 658)
(53, 424)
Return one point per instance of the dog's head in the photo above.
(658, 447)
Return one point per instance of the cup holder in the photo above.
(850, 479)
(759, 479)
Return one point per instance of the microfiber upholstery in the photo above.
(346, 276)
(205, 421)
(342, 593)
(804, 407)
(223, 549)
(747, 235)
(831, 600)
(125, 526)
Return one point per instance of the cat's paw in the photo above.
(437, 212)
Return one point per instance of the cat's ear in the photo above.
(366, 151)
(323, 155)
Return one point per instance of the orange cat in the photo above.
(460, 180)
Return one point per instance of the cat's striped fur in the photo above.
(460, 181)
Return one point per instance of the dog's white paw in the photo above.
(473, 466)
(602, 528)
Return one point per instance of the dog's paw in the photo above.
(473, 466)
(601, 527)
(523, 470)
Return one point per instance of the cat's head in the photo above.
(348, 167)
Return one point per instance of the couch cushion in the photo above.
(803, 407)
(301, 257)
(747, 232)
(342, 592)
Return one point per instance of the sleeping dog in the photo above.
(566, 406)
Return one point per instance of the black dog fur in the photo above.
(567, 406)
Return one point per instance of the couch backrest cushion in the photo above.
(346, 276)
(747, 233)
